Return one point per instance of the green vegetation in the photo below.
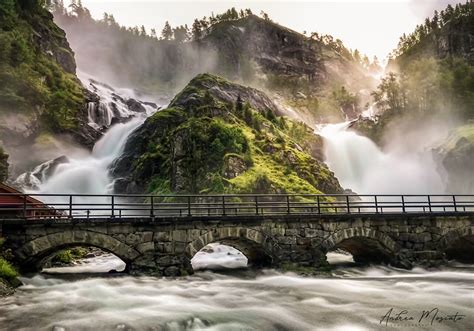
(463, 133)
(7, 272)
(68, 256)
(428, 37)
(427, 86)
(37, 67)
(205, 143)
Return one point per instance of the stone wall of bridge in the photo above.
(166, 246)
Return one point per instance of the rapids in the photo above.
(352, 299)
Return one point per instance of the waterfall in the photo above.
(112, 103)
(79, 174)
(90, 175)
(360, 165)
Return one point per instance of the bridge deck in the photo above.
(107, 207)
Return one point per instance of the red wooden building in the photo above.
(14, 203)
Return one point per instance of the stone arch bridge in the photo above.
(165, 245)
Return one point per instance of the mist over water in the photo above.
(360, 165)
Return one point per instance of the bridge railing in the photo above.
(57, 206)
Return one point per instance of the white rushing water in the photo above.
(360, 165)
(353, 299)
(88, 173)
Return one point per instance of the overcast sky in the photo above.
(372, 26)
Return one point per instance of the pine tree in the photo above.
(167, 32)
(239, 105)
(142, 31)
(196, 30)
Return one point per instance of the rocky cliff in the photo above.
(221, 137)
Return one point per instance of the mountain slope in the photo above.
(220, 137)
(39, 92)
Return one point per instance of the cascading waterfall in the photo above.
(89, 174)
(360, 165)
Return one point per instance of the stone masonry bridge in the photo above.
(160, 235)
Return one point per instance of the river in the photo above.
(353, 298)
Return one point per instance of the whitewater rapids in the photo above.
(352, 299)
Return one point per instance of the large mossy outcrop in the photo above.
(220, 137)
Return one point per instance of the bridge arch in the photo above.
(459, 244)
(255, 245)
(32, 255)
(365, 244)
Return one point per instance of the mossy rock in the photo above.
(221, 137)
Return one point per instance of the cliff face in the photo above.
(274, 49)
(220, 137)
(305, 73)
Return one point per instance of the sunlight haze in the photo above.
(373, 27)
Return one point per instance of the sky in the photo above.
(371, 26)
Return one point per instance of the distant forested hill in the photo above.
(317, 75)
(431, 73)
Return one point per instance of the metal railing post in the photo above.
(189, 206)
(319, 204)
(152, 207)
(112, 206)
(403, 204)
(454, 203)
(429, 203)
(256, 204)
(70, 206)
(288, 209)
(376, 204)
(223, 205)
(347, 202)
